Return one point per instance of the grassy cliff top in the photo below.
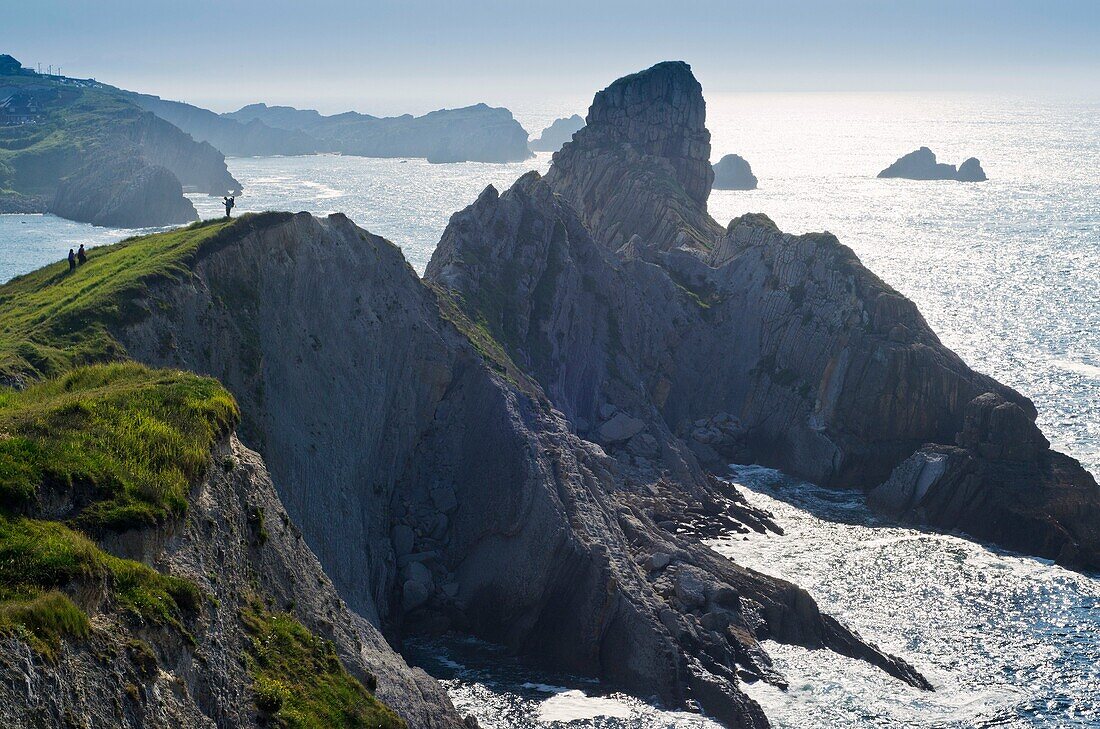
(51, 319)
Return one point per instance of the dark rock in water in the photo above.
(922, 165)
(1000, 483)
(733, 173)
(641, 164)
(124, 194)
(557, 134)
(971, 171)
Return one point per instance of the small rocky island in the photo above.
(922, 165)
(733, 172)
(557, 134)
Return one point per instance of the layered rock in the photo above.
(1002, 483)
(237, 540)
(922, 165)
(641, 164)
(733, 172)
(440, 489)
(557, 134)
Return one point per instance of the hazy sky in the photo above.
(385, 56)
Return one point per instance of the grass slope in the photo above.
(92, 446)
(52, 320)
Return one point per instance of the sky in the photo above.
(389, 56)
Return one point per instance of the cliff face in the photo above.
(123, 193)
(440, 489)
(747, 343)
(229, 136)
(476, 133)
(641, 164)
(139, 675)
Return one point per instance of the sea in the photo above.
(1007, 272)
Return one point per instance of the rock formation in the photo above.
(732, 172)
(557, 134)
(1002, 483)
(477, 133)
(641, 165)
(122, 193)
(922, 165)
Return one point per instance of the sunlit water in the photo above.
(1006, 271)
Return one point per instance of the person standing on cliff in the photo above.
(81, 256)
(229, 203)
(72, 261)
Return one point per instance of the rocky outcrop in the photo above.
(1002, 483)
(517, 530)
(477, 133)
(236, 545)
(641, 164)
(922, 165)
(557, 134)
(732, 172)
(199, 167)
(123, 193)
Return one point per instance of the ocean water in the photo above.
(1007, 272)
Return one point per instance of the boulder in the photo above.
(620, 428)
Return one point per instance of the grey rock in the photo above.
(620, 428)
(444, 499)
(414, 594)
(922, 165)
(732, 172)
(658, 561)
(403, 539)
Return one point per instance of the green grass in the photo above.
(125, 441)
(299, 681)
(52, 320)
(41, 561)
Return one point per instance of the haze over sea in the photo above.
(1007, 272)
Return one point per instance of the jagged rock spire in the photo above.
(641, 165)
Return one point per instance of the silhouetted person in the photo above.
(81, 256)
(72, 261)
(229, 203)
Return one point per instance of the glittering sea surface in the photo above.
(1007, 272)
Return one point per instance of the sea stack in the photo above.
(734, 173)
(922, 165)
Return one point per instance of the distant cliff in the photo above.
(229, 136)
(476, 133)
(88, 154)
(557, 134)
(733, 172)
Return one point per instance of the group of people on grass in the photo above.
(79, 257)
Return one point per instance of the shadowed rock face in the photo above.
(641, 165)
(440, 488)
(1002, 483)
(922, 165)
(748, 344)
(732, 172)
(123, 192)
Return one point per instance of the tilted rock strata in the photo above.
(236, 538)
(515, 530)
(1000, 483)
